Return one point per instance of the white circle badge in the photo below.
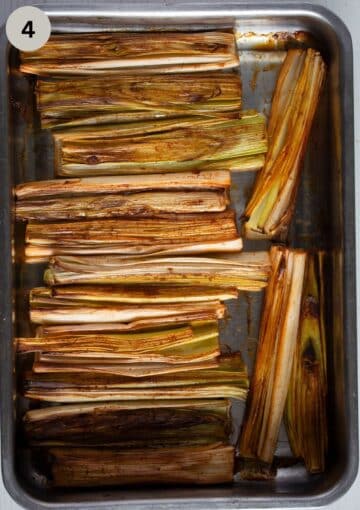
(28, 28)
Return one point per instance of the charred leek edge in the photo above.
(296, 96)
(195, 319)
(78, 100)
(197, 343)
(275, 352)
(97, 295)
(246, 271)
(85, 467)
(130, 424)
(113, 206)
(305, 412)
(150, 52)
(143, 147)
(228, 380)
(188, 181)
(122, 313)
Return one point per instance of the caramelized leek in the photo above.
(135, 52)
(228, 380)
(195, 318)
(187, 181)
(75, 295)
(112, 206)
(295, 100)
(166, 234)
(161, 146)
(89, 467)
(94, 313)
(305, 412)
(74, 102)
(127, 368)
(180, 345)
(130, 424)
(274, 358)
(246, 271)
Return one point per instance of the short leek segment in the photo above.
(131, 424)
(171, 145)
(131, 52)
(89, 467)
(305, 412)
(275, 353)
(270, 209)
(228, 379)
(134, 237)
(245, 271)
(76, 102)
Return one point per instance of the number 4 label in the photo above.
(28, 28)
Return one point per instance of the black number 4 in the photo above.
(28, 29)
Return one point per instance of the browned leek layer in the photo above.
(192, 317)
(137, 52)
(97, 295)
(90, 467)
(109, 366)
(228, 380)
(130, 424)
(87, 314)
(294, 104)
(246, 271)
(166, 234)
(275, 352)
(305, 412)
(73, 102)
(133, 355)
(124, 184)
(182, 344)
(112, 206)
(170, 145)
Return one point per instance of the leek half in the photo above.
(135, 52)
(274, 357)
(246, 271)
(270, 209)
(305, 412)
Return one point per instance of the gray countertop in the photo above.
(349, 12)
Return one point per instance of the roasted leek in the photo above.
(132, 237)
(130, 424)
(270, 209)
(305, 412)
(162, 146)
(274, 357)
(246, 271)
(228, 380)
(74, 102)
(90, 467)
(135, 52)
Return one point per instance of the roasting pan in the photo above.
(324, 218)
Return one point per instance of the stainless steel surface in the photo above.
(324, 218)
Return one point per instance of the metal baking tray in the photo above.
(324, 218)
